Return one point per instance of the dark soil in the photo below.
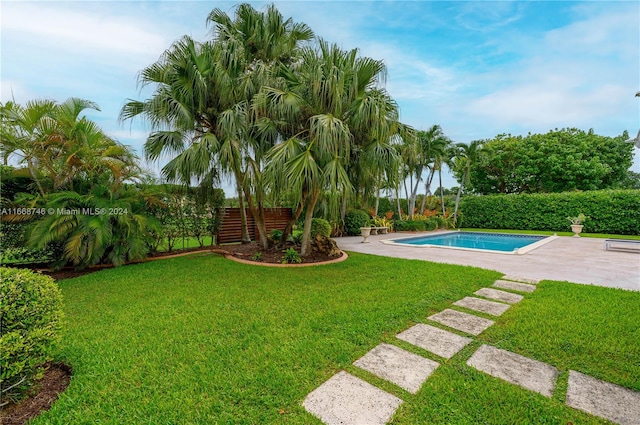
(55, 380)
(273, 255)
(244, 251)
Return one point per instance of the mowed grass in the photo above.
(203, 340)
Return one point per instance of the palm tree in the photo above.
(203, 97)
(59, 146)
(419, 155)
(435, 145)
(466, 156)
(329, 106)
(101, 226)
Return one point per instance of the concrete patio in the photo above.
(578, 260)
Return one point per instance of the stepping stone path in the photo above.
(497, 295)
(438, 341)
(405, 369)
(514, 286)
(483, 306)
(600, 398)
(464, 322)
(345, 399)
(516, 369)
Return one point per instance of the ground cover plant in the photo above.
(206, 340)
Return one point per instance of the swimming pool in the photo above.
(478, 241)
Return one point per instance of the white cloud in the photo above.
(75, 29)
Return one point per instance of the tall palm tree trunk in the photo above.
(455, 211)
(308, 217)
(246, 238)
(440, 186)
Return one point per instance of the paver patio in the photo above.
(406, 370)
(464, 322)
(579, 260)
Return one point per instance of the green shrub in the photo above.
(291, 256)
(410, 225)
(354, 220)
(13, 249)
(382, 222)
(275, 235)
(430, 224)
(417, 225)
(30, 314)
(296, 236)
(609, 211)
(320, 225)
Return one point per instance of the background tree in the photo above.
(465, 157)
(560, 160)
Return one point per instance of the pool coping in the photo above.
(517, 251)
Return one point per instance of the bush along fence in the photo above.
(608, 211)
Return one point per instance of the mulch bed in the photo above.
(55, 380)
(57, 376)
(246, 252)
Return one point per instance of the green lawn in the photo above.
(204, 340)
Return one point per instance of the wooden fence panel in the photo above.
(231, 229)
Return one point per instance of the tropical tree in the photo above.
(201, 111)
(557, 161)
(329, 106)
(59, 146)
(420, 154)
(439, 150)
(103, 226)
(466, 156)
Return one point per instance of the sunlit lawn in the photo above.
(204, 340)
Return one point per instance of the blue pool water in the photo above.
(475, 240)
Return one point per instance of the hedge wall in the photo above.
(609, 211)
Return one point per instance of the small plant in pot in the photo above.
(576, 224)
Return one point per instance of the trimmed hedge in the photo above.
(609, 211)
(416, 225)
(30, 314)
(354, 220)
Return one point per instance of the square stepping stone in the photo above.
(345, 399)
(521, 279)
(464, 322)
(516, 369)
(613, 402)
(438, 341)
(406, 370)
(514, 286)
(498, 295)
(483, 306)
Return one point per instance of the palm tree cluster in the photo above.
(79, 175)
(282, 115)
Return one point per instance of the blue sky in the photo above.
(476, 68)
